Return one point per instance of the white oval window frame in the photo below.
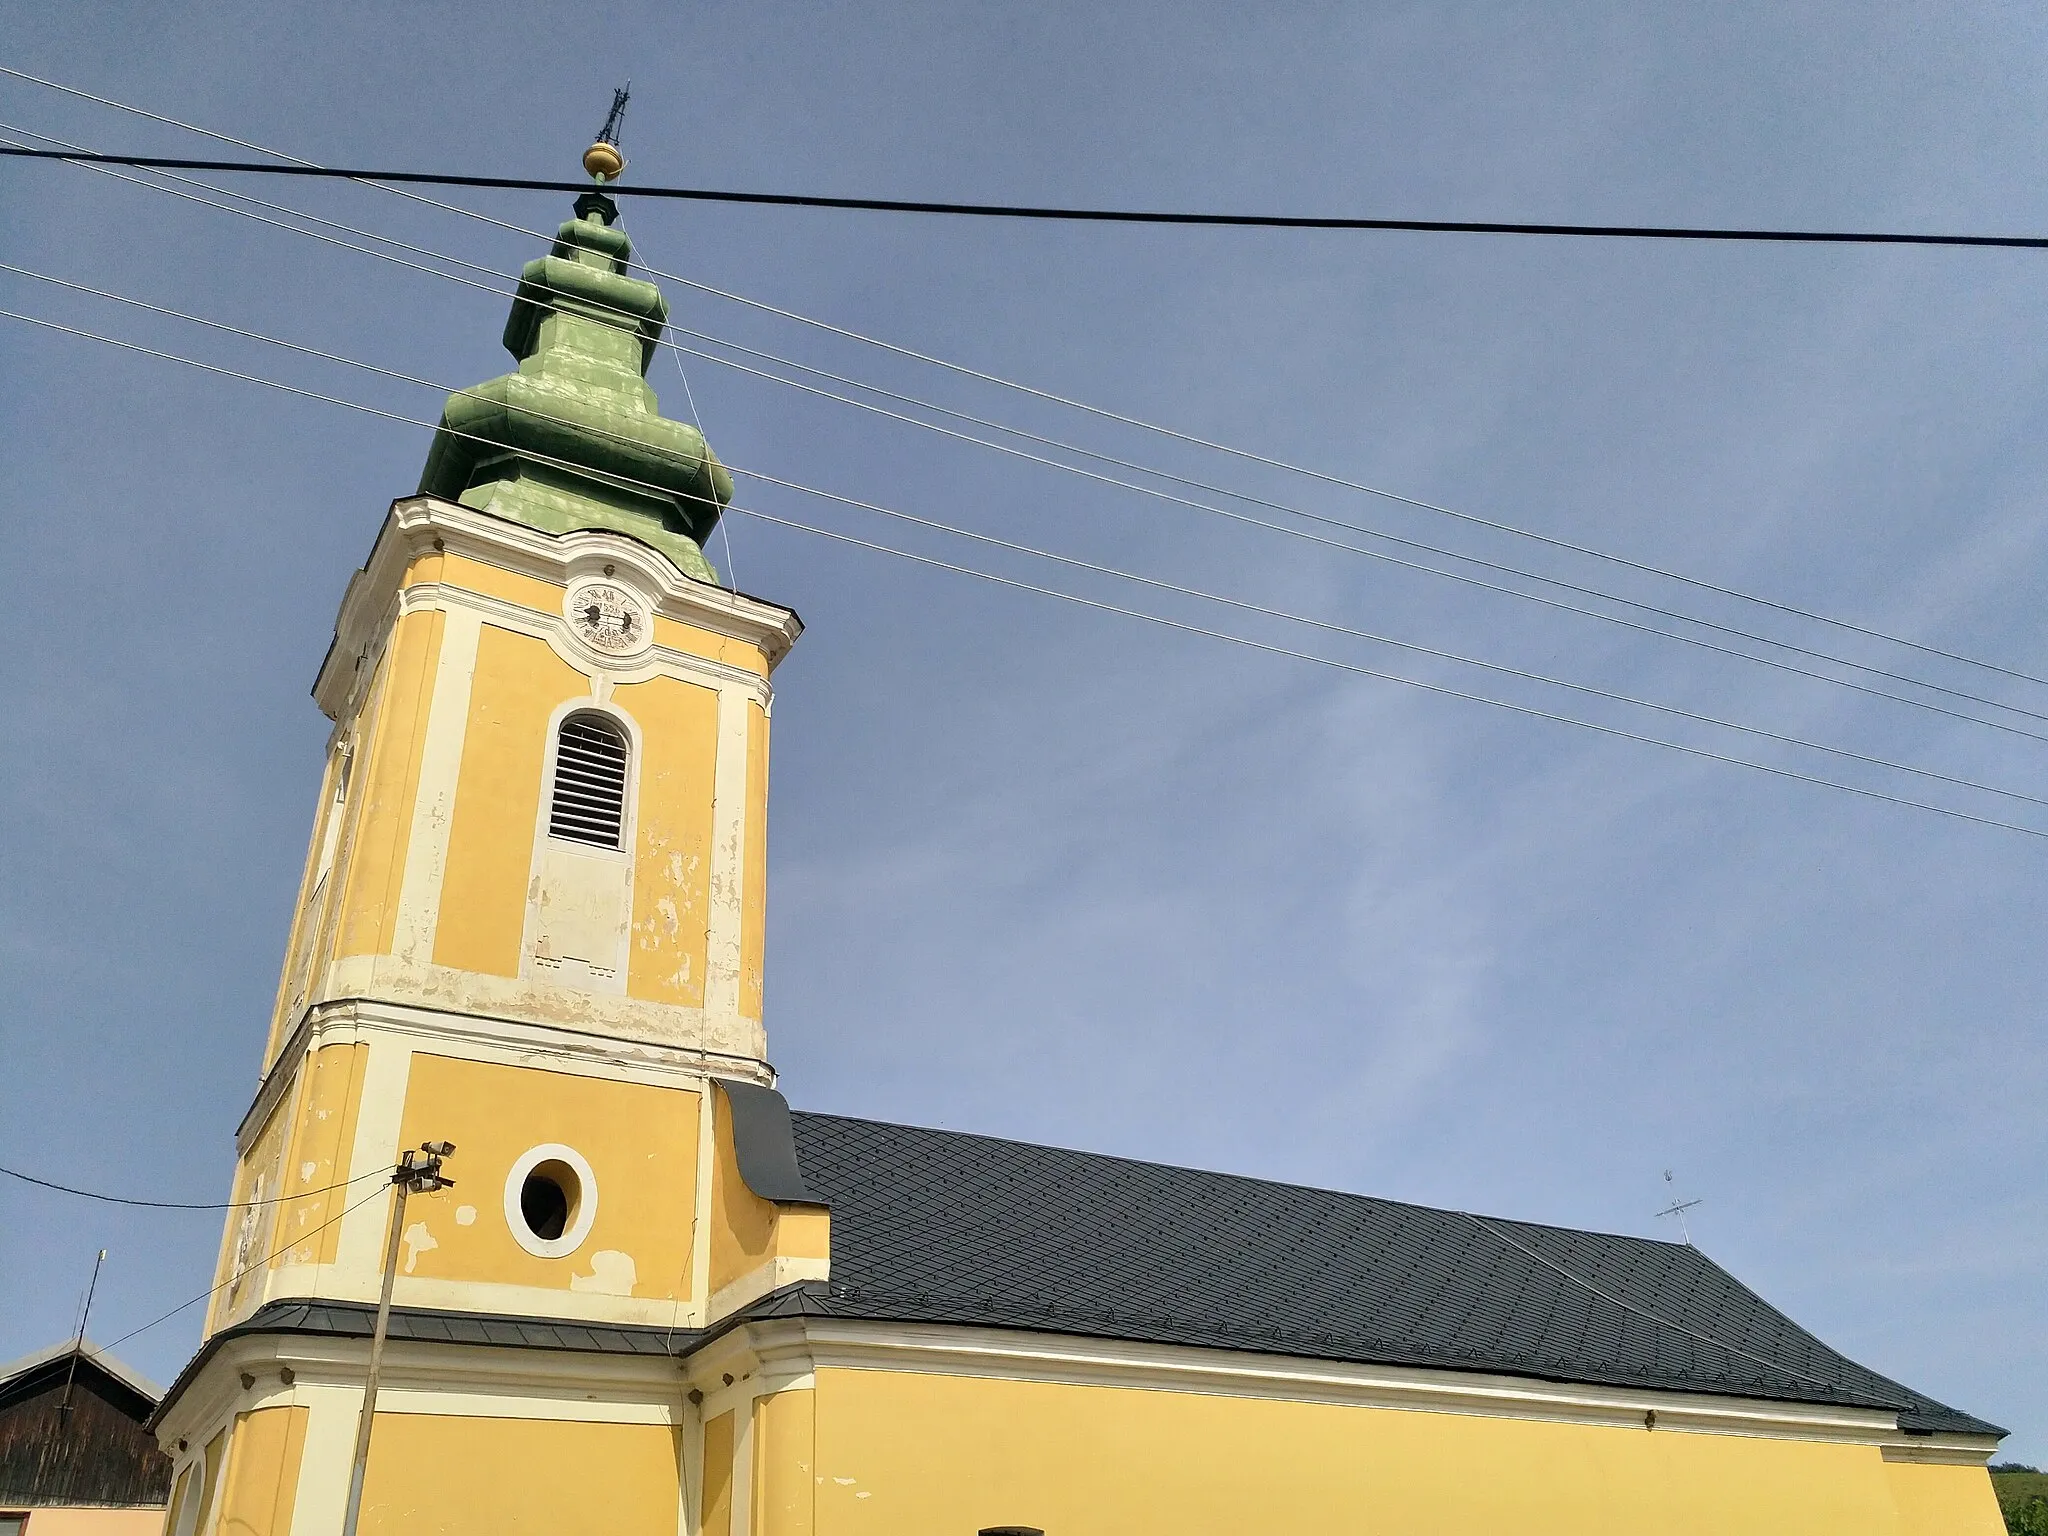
(586, 1201)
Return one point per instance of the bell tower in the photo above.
(531, 924)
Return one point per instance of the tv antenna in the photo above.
(78, 1348)
(1678, 1208)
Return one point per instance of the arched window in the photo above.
(589, 800)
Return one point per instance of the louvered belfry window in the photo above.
(589, 804)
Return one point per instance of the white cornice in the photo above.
(782, 1353)
(603, 1050)
(1949, 1450)
(779, 1271)
(411, 1368)
(419, 524)
(554, 630)
(813, 1343)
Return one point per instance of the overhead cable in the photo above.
(1093, 603)
(1086, 565)
(187, 1205)
(383, 1174)
(1097, 411)
(1366, 530)
(1572, 1275)
(1373, 554)
(1045, 212)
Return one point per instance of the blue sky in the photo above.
(1059, 875)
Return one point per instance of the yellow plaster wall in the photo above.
(304, 919)
(426, 567)
(917, 1455)
(640, 1141)
(748, 1231)
(322, 1146)
(803, 1232)
(256, 1178)
(785, 1483)
(678, 636)
(516, 686)
(263, 1473)
(742, 1223)
(89, 1520)
(1944, 1501)
(672, 855)
(754, 883)
(531, 592)
(390, 785)
(714, 1504)
(519, 1477)
(208, 1474)
(326, 913)
(179, 1490)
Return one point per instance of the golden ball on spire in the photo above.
(604, 161)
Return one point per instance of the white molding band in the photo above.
(725, 915)
(792, 1346)
(487, 1036)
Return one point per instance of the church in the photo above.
(657, 1301)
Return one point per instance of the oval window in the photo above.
(546, 1200)
(550, 1201)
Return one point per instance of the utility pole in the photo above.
(417, 1173)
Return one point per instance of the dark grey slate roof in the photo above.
(940, 1226)
(355, 1321)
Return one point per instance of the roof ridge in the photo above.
(1915, 1398)
(96, 1355)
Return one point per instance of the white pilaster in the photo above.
(426, 858)
(728, 857)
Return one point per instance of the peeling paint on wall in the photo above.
(612, 1273)
(418, 1240)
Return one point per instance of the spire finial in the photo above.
(603, 159)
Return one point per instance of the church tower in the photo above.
(657, 1303)
(531, 924)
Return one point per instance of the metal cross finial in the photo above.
(615, 120)
(604, 159)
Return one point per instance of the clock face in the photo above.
(608, 617)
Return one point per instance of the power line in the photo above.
(177, 1205)
(243, 197)
(1628, 1306)
(1146, 490)
(1093, 603)
(1097, 411)
(1364, 634)
(1315, 474)
(1373, 554)
(732, 570)
(1437, 688)
(1066, 215)
(1099, 569)
(1365, 530)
